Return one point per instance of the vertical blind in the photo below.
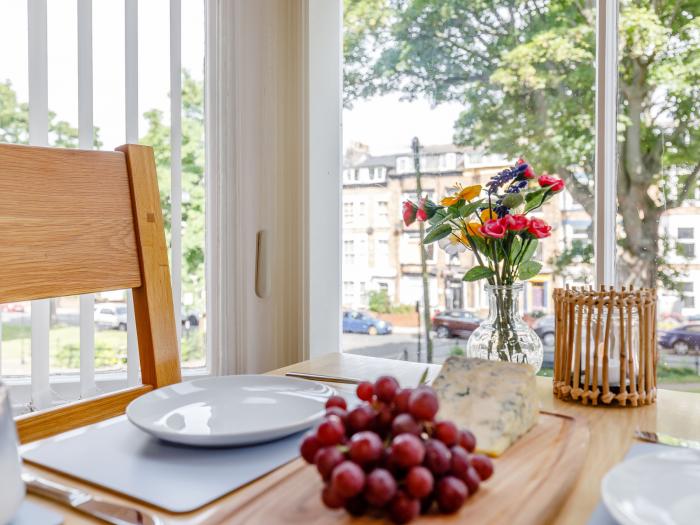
(38, 136)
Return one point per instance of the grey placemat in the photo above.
(116, 455)
(600, 515)
(32, 514)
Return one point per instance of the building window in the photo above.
(686, 249)
(349, 252)
(685, 233)
(348, 211)
(688, 293)
(383, 210)
(382, 257)
(348, 292)
(539, 296)
(361, 209)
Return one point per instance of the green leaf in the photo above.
(528, 270)
(437, 233)
(478, 272)
(534, 194)
(470, 208)
(438, 218)
(515, 248)
(529, 250)
(423, 377)
(536, 201)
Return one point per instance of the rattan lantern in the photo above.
(605, 345)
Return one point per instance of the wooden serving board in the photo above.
(530, 482)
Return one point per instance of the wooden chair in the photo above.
(75, 222)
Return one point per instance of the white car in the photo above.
(110, 316)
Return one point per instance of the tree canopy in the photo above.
(524, 71)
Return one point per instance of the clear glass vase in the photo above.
(504, 336)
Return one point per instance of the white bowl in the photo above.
(230, 410)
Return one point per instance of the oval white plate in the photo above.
(230, 410)
(655, 489)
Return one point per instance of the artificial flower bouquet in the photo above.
(492, 222)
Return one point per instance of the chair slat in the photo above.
(66, 223)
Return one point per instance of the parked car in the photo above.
(682, 339)
(361, 323)
(110, 316)
(455, 323)
(544, 327)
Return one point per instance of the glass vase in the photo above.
(504, 336)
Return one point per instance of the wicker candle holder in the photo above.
(605, 345)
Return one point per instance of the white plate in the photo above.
(655, 489)
(230, 410)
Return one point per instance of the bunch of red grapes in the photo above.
(390, 453)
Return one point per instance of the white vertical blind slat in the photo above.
(85, 141)
(39, 136)
(176, 159)
(131, 64)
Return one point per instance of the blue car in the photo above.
(681, 339)
(360, 323)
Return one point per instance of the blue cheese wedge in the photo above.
(497, 401)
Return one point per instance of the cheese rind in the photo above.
(496, 400)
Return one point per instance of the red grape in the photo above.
(427, 503)
(380, 487)
(404, 423)
(384, 418)
(337, 411)
(348, 479)
(331, 499)
(451, 494)
(423, 403)
(356, 506)
(437, 456)
(331, 431)
(386, 387)
(403, 508)
(419, 482)
(467, 440)
(361, 418)
(446, 431)
(459, 464)
(327, 459)
(365, 391)
(401, 400)
(309, 447)
(483, 466)
(365, 447)
(407, 450)
(336, 401)
(472, 480)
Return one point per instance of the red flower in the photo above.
(520, 161)
(409, 212)
(493, 228)
(539, 229)
(515, 222)
(422, 213)
(553, 183)
(529, 173)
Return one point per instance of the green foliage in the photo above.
(528, 270)
(68, 356)
(456, 351)
(525, 73)
(379, 302)
(478, 272)
(437, 232)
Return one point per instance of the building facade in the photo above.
(381, 254)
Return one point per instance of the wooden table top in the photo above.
(675, 413)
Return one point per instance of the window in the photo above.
(382, 210)
(89, 107)
(348, 293)
(348, 212)
(686, 249)
(685, 233)
(382, 256)
(349, 252)
(361, 209)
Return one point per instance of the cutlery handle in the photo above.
(322, 377)
(54, 491)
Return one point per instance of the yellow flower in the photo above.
(487, 215)
(474, 228)
(470, 192)
(466, 194)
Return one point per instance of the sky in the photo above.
(385, 124)
(108, 57)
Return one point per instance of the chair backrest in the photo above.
(76, 222)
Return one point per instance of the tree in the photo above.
(525, 72)
(158, 136)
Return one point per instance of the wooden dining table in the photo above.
(611, 435)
